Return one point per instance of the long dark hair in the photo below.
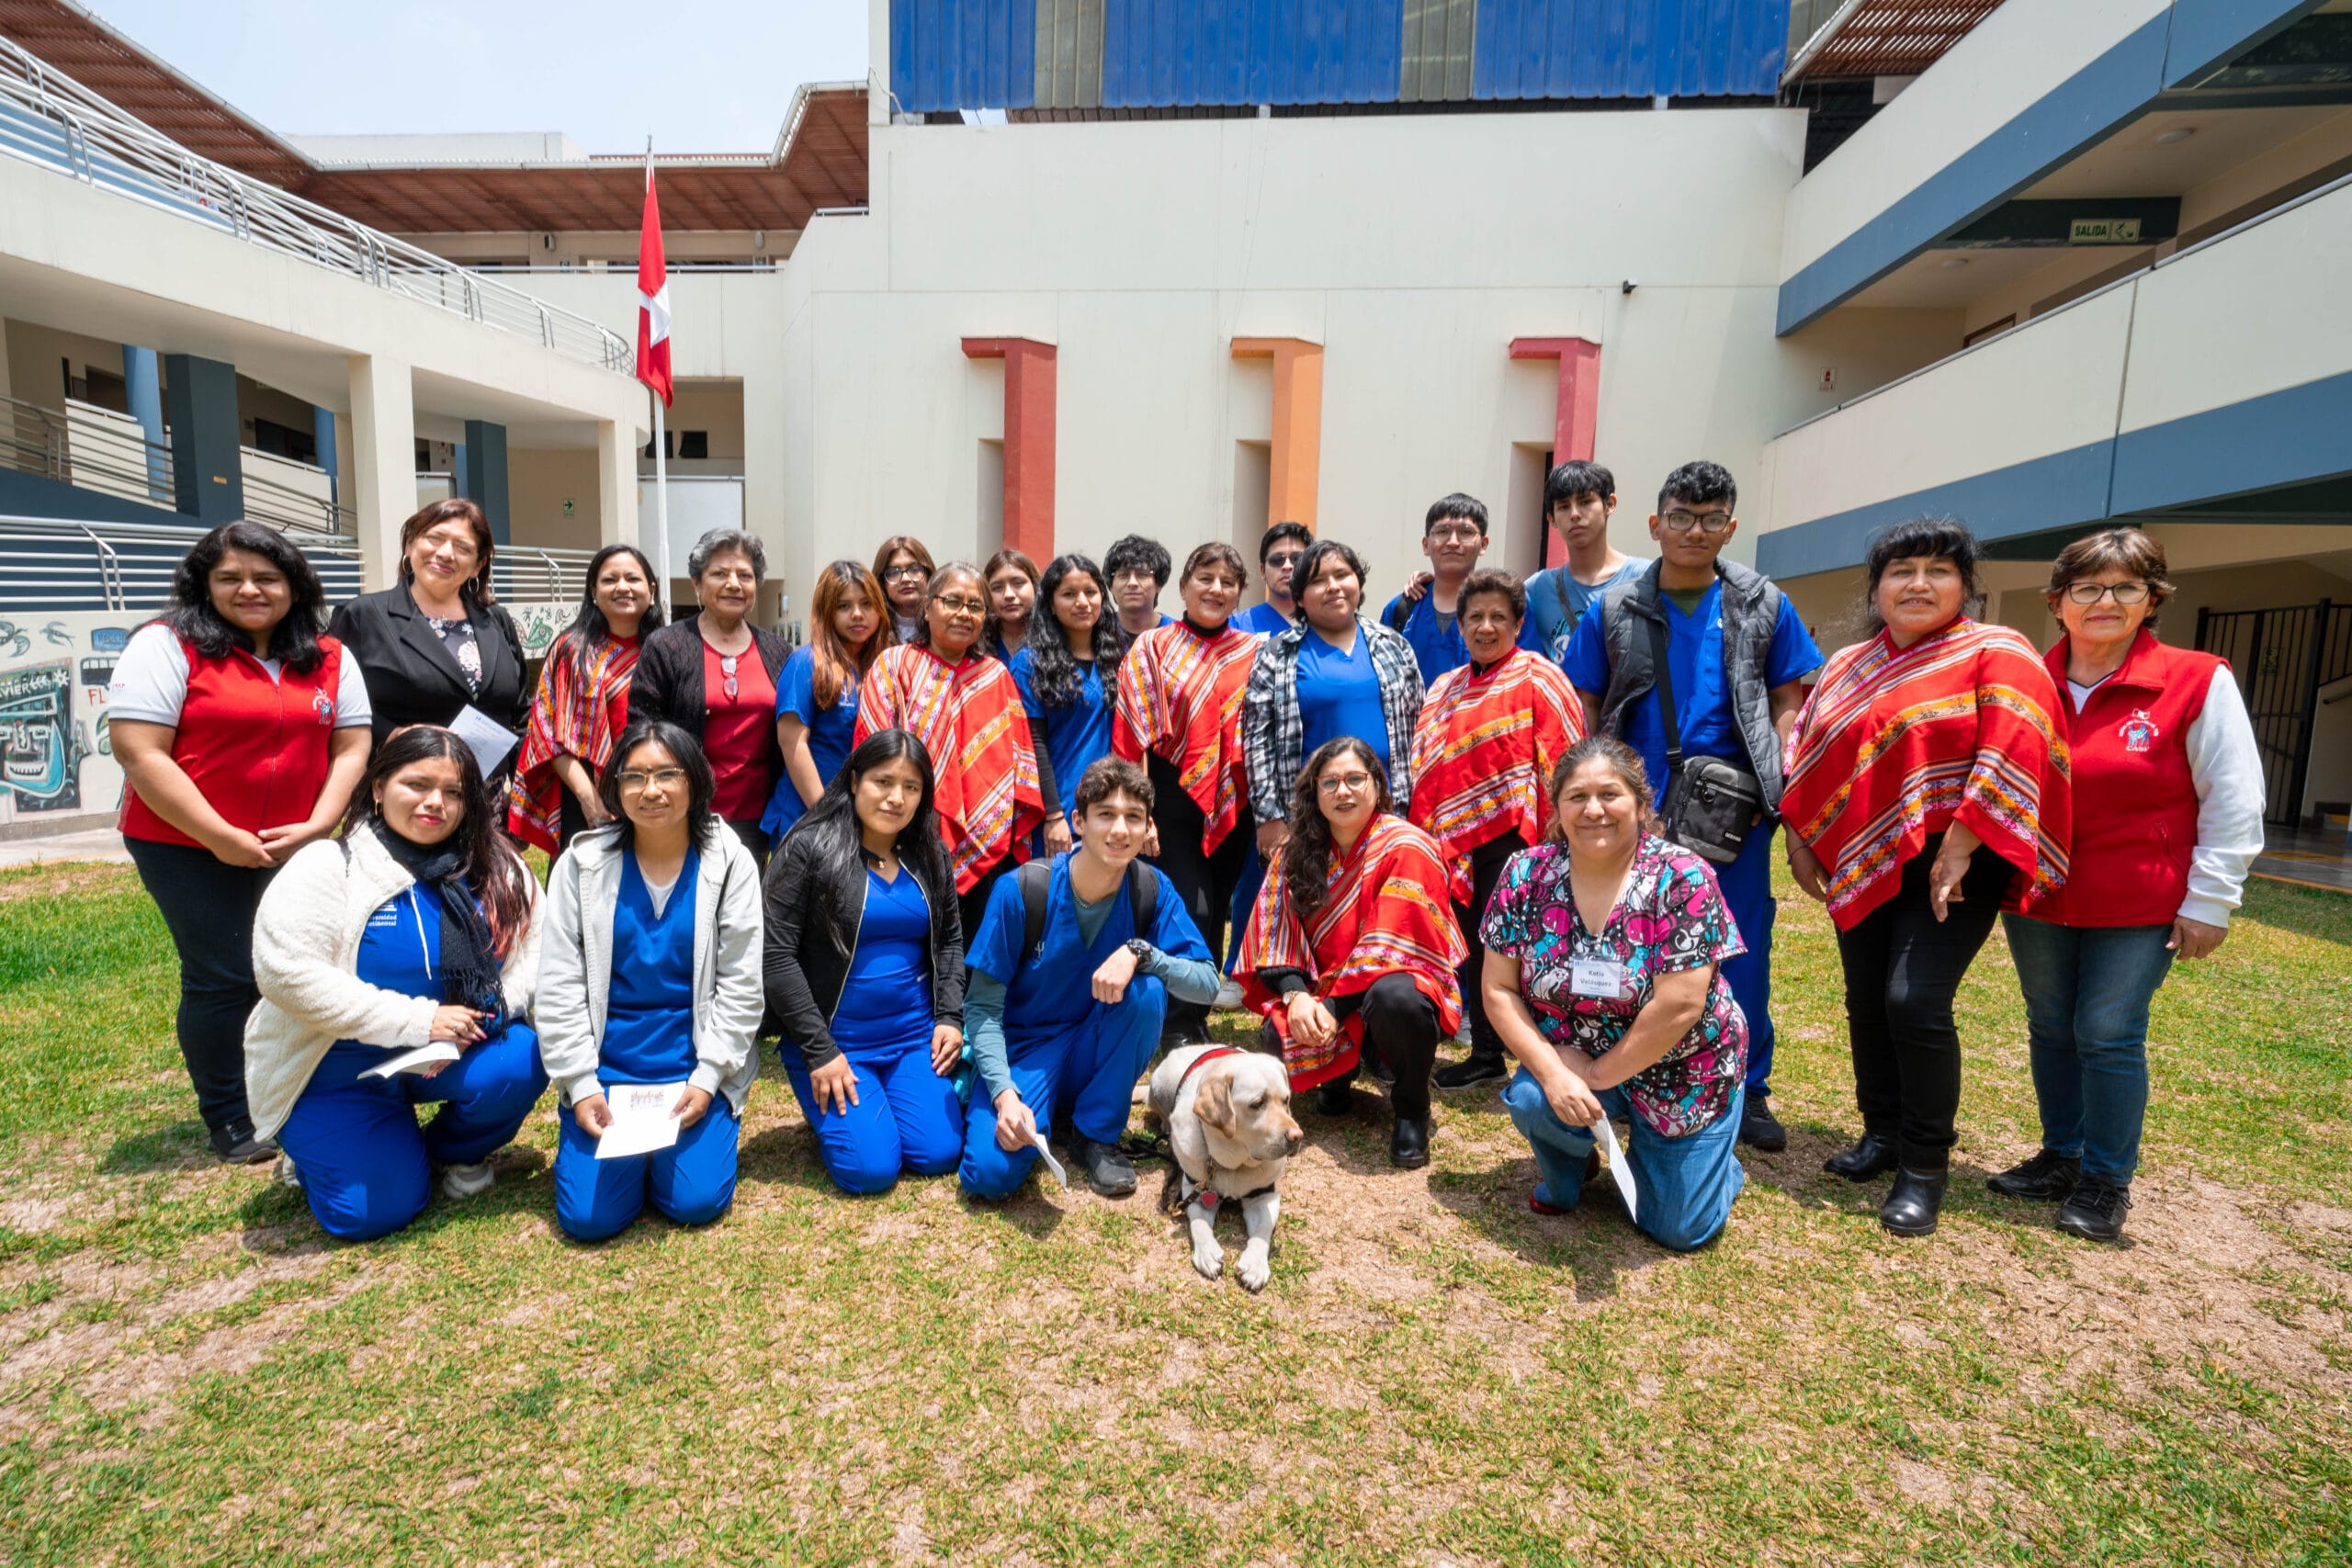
(837, 848)
(701, 784)
(589, 626)
(1053, 669)
(501, 881)
(294, 641)
(992, 625)
(1307, 859)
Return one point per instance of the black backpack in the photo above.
(1037, 883)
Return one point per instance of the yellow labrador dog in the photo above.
(1228, 1115)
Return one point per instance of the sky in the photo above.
(699, 75)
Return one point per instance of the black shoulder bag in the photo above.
(1709, 806)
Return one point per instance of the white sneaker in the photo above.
(287, 1175)
(1228, 995)
(465, 1181)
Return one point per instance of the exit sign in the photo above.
(2103, 232)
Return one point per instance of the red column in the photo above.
(1296, 458)
(1028, 440)
(1577, 411)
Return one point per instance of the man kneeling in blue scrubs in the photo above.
(1063, 1022)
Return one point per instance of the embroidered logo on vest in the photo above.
(2139, 731)
(322, 704)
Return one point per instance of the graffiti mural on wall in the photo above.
(56, 756)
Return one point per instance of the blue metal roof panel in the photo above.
(962, 54)
(1181, 53)
(1629, 49)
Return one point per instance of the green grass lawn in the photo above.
(190, 1372)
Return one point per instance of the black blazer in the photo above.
(667, 683)
(805, 963)
(413, 679)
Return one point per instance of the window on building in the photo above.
(694, 443)
(284, 441)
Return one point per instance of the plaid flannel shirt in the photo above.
(1272, 733)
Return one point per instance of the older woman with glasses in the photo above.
(966, 711)
(713, 674)
(2160, 739)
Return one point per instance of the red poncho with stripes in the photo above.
(1180, 699)
(581, 708)
(1484, 749)
(1896, 744)
(968, 717)
(1387, 909)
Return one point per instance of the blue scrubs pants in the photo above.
(367, 1166)
(1683, 1187)
(691, 1182)
(907, 1120)
(1746, 884)
(1086, 1074)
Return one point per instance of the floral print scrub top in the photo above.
(1671, 917)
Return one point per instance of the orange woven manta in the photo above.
(1484, 749)
(968, 717)
(1180, 699)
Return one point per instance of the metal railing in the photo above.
(47, 118)
(87, 447)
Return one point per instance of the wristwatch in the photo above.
(1141, 949)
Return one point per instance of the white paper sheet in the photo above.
(642, 1121)
(1618, 1165)
(1051, 1163)
(484, 736)
(414, 1061)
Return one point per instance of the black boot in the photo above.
(1912, 1203)
(2047, 1177)
(1409, 1145)
(1474, 1068)
(1758, 1128)
(2094, 1210)
(1870, 1155)
(1332, 1097)
(1108, 1170)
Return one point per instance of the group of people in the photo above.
(994, 837)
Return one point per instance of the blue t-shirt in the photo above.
(1263, 617)
(400, 948)
(1547, 627)
(1048, 991)
(650, 1009)
(1437, 647)
(1075, 734)
(1694, 662)
(885, 1009)
(1339, 694)
(830, 731)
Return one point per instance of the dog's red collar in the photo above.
(1203, 1059)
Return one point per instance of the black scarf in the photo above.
(469, 971)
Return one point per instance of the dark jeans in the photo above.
(1400, 1025)
(1903, 968)
(1205, 883)
(2087, 994)
(754, 839)
(208, 908)
(1486, 862)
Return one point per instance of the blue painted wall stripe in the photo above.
(2056, 491)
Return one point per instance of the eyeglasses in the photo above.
(1134, 574)
(1466, 535)
(1285, 564)
(905, 572)
(1353, 782)
(668, 778)
(1707, 521)
(2092, 593)
(971, 609)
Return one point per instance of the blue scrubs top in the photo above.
(884, 1010)
(1694, 662)
(1050, 992)
(1263, 617)
(1077, 734)
(1436, 648)
(1548, 627)
(830, 731)
(650, 1009)
(399, 950)
(1339, 694)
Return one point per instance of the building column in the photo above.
(208, 462)
(617, 520)
(1297, 447)
(383, 464)
(142, 384)
(1576, 414)
(1028, 440)
(484, 481)
(322, 436)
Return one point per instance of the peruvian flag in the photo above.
(652, 297)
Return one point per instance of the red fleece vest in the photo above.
(256, 748)
(2135, 803)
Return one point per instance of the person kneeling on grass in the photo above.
(651, 975)
(417, 925)
(1604, 973)
(1065, 1010)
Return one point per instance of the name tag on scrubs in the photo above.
(1597, 977)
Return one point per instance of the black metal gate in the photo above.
(2281, 658)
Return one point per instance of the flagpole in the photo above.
(661, 459)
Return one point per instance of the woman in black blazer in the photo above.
(697, 673)
(438, 640)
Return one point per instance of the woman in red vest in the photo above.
(241, 727)
(2161, 740)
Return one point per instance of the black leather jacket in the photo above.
(805, 963)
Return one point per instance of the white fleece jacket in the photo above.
(576, 964)
(306, 960)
